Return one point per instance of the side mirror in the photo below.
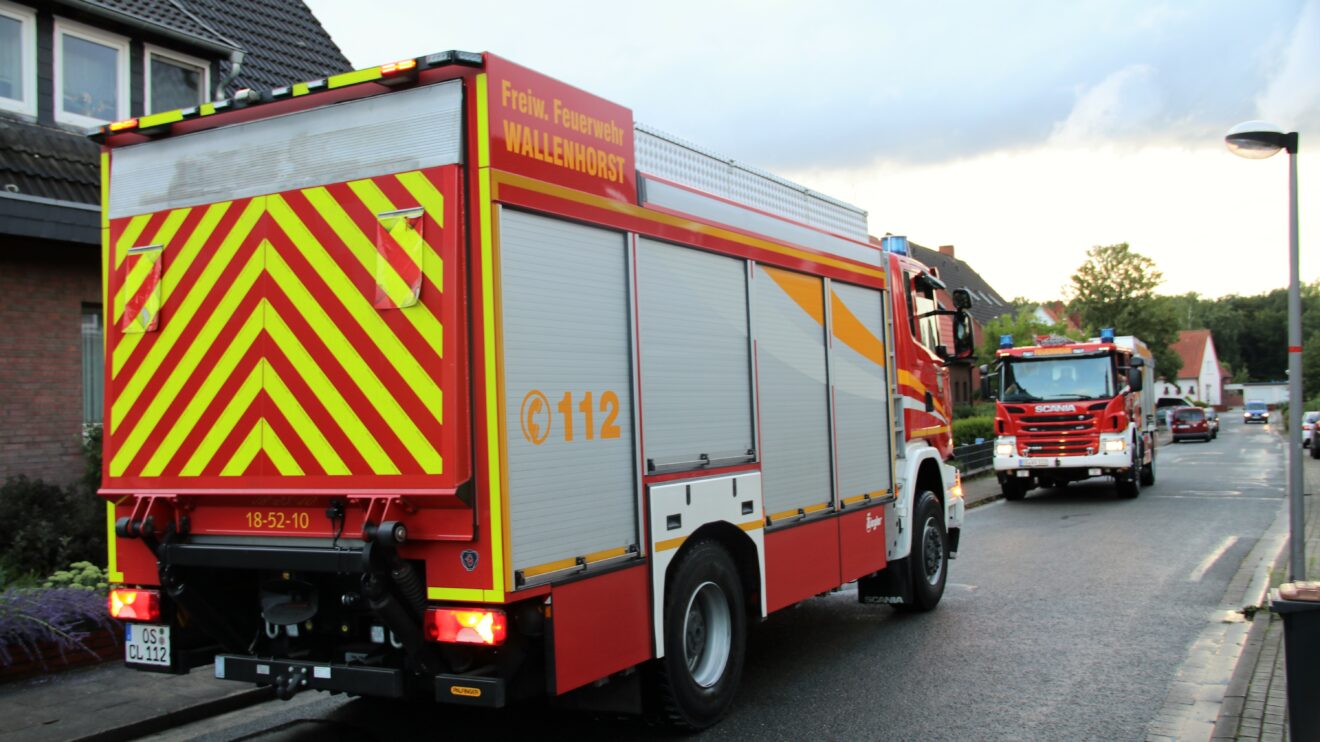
(1137, 362)
(962, 299)
(942, 352)
(964, 344)
(1134, 376)
(987, 389)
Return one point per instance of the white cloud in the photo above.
(1127, 102)
(1292, 98)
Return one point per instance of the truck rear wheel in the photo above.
(929, 557)
(705, 638)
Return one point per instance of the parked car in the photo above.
(1256, 412)
(1309, 419)
(1190, 423)
(1212, 418)
(1164, 407)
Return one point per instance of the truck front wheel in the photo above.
(705, 637)
(929, 556)
(1129, 484)
(1014, 489)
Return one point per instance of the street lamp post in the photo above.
(1257, 140)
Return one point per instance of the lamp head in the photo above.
(1255, 140)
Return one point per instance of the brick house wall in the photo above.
(45, 287)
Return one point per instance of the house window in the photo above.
(93, 363)
(91, 75)
(175, 81)
(18, 68)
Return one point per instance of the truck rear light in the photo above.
(124, 125)
(466, 626)
(131, 604)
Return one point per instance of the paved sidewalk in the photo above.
(1256, 703)
(111, 702)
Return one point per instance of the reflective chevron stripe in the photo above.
(274, 354)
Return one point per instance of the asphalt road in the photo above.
(1068, 616)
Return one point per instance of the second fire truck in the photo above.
(1070, 410)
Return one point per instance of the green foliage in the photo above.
(968, 430)
(980, 409)
(91, 449)
(1024, 328)
(45, 526)
(1115, 288)
(80, 576)
(1251, 332)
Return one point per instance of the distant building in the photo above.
(1201, 378)
(1272, 393)
(67, 66)
(987, 304)
(1056, 313)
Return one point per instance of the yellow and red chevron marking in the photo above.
(272, 361)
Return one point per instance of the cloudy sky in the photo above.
(1022, 133)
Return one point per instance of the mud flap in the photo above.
(890, 586)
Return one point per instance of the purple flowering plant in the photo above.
(64, 617)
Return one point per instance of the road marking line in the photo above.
(1213, 557)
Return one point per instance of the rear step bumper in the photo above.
(379, 682)
(368, 681)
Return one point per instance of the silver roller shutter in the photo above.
(794, 410)
(564, 293)
(695, 355)
(861, 397)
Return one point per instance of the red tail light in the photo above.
(130, 604)
(466, 626)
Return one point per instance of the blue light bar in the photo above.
(1106, 334)
(1006, 341)
(897, 244)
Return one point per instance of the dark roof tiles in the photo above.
(50, 163)
(283, 40)
(986, 302)
(284, 44)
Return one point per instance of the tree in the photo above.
(1115, 288)
(1023, 326)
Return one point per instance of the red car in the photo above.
(1190, 422)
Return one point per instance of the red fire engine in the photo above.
(1069, 410)
(445, 379)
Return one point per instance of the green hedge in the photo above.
(980, 409)
(967, 430)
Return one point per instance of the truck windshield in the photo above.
(1034, 379)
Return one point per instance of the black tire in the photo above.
(705, 638)
(1315, 452)
(929, 557)
(1014, 490)
(1148, 472)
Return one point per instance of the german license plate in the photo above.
(146, 644)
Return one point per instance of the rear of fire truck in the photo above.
(1071, 410)
(288, 443)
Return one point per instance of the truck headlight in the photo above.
(1114, 445)
(1005, 446)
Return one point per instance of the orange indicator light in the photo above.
(396, 67)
